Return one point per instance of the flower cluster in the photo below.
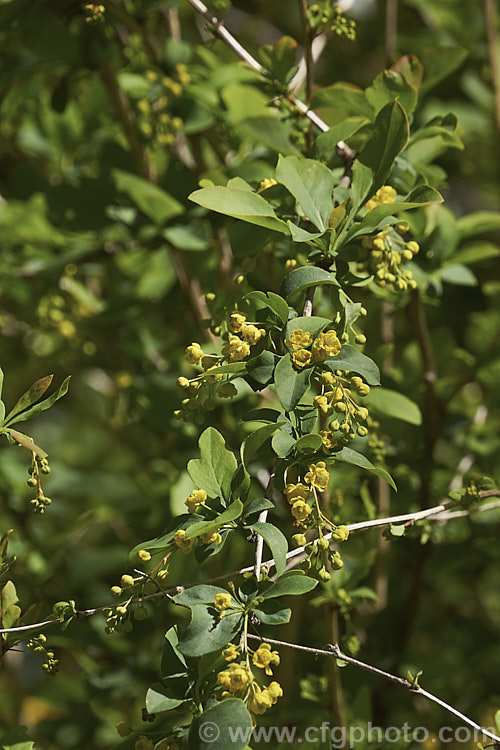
(94, 12)
(37, 644)
(326, 16)
(306, 351)
(241, 336)
(297, 495)
(336, 396)
(154, 118)
(387, 250)
(239, 681)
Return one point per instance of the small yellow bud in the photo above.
(144, 555)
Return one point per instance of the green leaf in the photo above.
(311, 184)
(158, 205)
(475, 252)
(397, 529)
(272, 613)
(353, 360)
(261, 368)
(207, 632)
(270, 131)
(240, 204)
(302, 278)
(273, 301)
(214, 470)
(257, 505)
(478, 222)
(390, 138)
(390, 85)
(394, 404)
(313, 324)
(439, 62)
(262, 415)
(350, 456)
(42, 406)
(325, 143)
(411, 68)
(225, 726)
(294, 583)
(256, 440)
(201, 594)
(291, 384)
(497, 720)
(302, 235)
(16, 739)
(10, 616)
(282, 443)
(32, 395)
(206, 527)
(157, 700)
(9, 595)
(457, 274)
(275, 540)
(344, 100)
(308, 444)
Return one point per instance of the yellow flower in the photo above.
(275, 691)
(318, 476)
(264, 657)
(250, 334)
(186, 545)
(194, 353)
(386, 194)
(335, 395)
(235, 350)
(194, 499)
(260, 702)
(301, 510)
(301, 358)
(212, 537)
(267, 183)
(298, 339)
(326, 345)
(328, 440)
(340, 534)
(223, 602)
(321, 403)
(290, 264)
(295, 492)
(236, 322)
(235, 679)
(230, 653)
(226, 390)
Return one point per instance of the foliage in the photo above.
(276, 335)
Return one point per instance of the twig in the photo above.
(336, 653)
(244, 55)
(360, 526)
(259, 545)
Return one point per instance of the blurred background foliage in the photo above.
(101, 277)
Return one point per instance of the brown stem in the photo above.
(189, 285)
(489, 10)
(391, 29)
(134, 26)
(127, 121)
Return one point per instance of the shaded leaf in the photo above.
(275, 540)
(240, 204)
(291, 384)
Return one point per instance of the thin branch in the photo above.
(259, 545)
(439, 511)
(336, 653)
(244, 55)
